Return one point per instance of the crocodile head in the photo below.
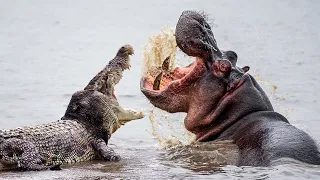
(93, 109)
(96, 106)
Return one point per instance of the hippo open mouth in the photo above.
(179, 82)
(165, 83)
(159, 86)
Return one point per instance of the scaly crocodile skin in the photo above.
(54, 142)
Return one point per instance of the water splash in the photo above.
(169, 129)
(159, 47)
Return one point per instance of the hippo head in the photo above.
(213, 99)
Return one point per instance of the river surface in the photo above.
(50, 49)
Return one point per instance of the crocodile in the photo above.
(82, 134)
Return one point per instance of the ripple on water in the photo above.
(203, 157)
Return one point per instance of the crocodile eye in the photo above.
(10, 154)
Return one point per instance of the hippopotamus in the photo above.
(225, 102)
(231, 107)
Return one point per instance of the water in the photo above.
(49, 50)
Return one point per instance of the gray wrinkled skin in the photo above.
(195, 37)
(82, 134)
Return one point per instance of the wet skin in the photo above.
(226, 103)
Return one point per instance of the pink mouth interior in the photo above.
(180, 75)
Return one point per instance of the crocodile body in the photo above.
(82, 134)
(54, 143)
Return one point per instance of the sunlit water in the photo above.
(48, 50)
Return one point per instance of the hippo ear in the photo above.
(246, 68)
(221, 68)
(231, 56)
